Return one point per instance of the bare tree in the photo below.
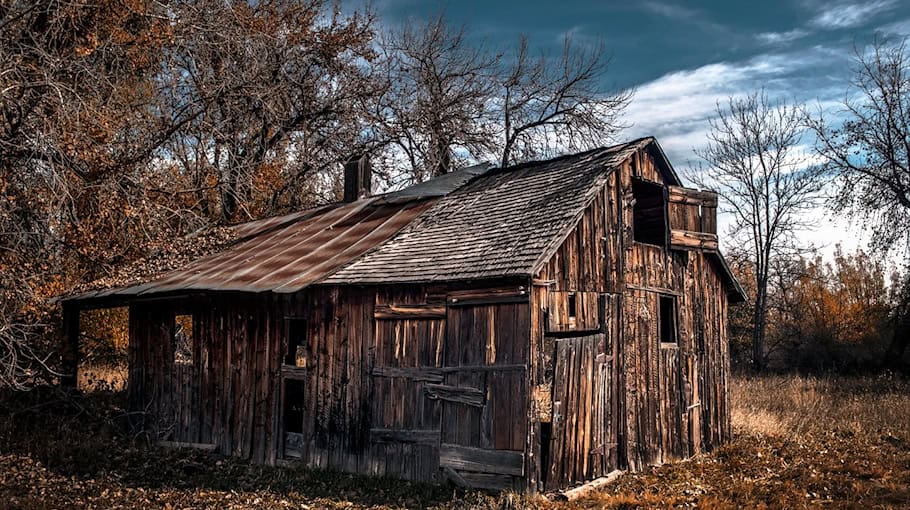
(869, 153)
(753, 160)
(439, 86)
(449, 99)
(551, 106)
(272, 95)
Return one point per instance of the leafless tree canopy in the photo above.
(434, 112)
(754, 162)
(870, 151)
(549, 106)
(449, 100)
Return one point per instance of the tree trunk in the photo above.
(895, 352)
(758, 328)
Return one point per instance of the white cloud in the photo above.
(846, 15)
(899, 28)
(677, 107)
(781, 37)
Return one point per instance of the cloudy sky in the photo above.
(683, 57)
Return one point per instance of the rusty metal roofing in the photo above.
(287, 253)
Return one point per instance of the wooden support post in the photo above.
(69, 352)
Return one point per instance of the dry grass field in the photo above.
(801, 442)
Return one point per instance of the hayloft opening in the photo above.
(183, 339)
(649, 212)
(668, 330)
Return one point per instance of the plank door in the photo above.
(404, 434)
(583, 442)
(483, 395)
(655, 400)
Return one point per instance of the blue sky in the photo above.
(683, 57)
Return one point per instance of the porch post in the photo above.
(69, 352)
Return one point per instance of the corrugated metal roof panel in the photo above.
(287, 253)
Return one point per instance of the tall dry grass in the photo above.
(786, 405)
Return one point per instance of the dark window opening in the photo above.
(649, 213)
(296, 354)
(293, 406)
(183, 339)
(573, 306)
(668, 332)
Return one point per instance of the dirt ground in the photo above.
(829, 442)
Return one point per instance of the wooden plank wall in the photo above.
(575, 376)
(693, 407)
(669, 401)
(392, 377)
(226, 396)
(403, 381)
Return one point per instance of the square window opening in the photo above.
(573, 305)
(183, 339)
(298, 348)
(668, 329)
(649, 213)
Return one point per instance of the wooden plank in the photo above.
(206, 447)
(426, 436)
(487, 296)
(409, 311)
(464, 458)
(458, 394)
(686, 239)
(680, 195)
(429, 374)
(588, 488)
(489, 481)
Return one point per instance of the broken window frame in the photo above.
(644, 193)
(296, 353)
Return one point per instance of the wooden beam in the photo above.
(69, 352)
(589, 487)
(687, 239)
(205, 447)
(487, 296)
(680, 195)
(429, 374)
(412, 436)
(466, 458)
(459, 394)
(419, 311)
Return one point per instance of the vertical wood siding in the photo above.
(665, 401)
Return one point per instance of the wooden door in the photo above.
(483, 395)
(654, 391)
(641, 345)
(583, 438)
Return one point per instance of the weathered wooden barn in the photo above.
(528, 327)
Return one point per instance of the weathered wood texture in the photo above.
(226, 397)
(645, 402)
(383, 378)
(529, 383)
